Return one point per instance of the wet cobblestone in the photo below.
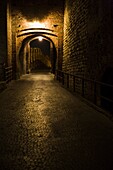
(45, 127)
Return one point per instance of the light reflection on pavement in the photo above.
(45, 127)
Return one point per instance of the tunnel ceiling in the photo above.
(31, 9)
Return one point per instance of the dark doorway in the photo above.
(43, 45)
(107, 91)
(49, 54)
(40, 57)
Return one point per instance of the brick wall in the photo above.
(75, 37)
(88, 33)
(49, 13)
(100, 38)
(88, 37)
(9, 35)
(3, 37)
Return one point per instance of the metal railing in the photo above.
(101, 94)
(8, 74)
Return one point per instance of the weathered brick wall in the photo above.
(3, 37)
(75, 37)
(88, 33)
(49, 13)
(9, 35)
(100, 38)
(88, 37)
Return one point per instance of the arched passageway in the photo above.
(28, 60)
(40, 54)
(107, 91)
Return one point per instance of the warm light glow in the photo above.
(40, 38)
(36, 24)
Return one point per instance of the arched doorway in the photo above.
(40, 57)
(107, 91)
(22, 56)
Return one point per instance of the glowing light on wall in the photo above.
(40, 38)
(36, 24)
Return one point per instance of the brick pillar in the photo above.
(3, 37)
(9, 34)
(28, 50)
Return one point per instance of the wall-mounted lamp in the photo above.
(40, 38)
(36, 24)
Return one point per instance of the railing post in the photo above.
(73, 83)
(95, 95)
(8, 74)
(63, 78)
(4, 72)
(83, 87)
(67, 80)
(57, 74)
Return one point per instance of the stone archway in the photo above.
(23, 53)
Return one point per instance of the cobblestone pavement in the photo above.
(45, 127)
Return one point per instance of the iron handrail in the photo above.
(97, 86)
(101, 83)
(8, 74)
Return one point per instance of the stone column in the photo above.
(3, 38)
(9, 35)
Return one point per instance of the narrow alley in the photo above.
(45, 127)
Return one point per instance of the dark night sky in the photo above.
(44, 45)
